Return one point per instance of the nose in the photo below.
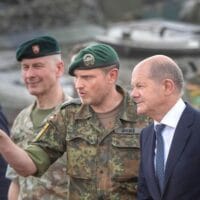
(134, 93)
(78, 83)
(29, 72)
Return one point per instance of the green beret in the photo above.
(37, 47)
(94, 56)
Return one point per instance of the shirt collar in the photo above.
(173, 115)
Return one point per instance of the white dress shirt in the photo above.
(171, 120)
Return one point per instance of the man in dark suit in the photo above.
(4, 183)
(170, 164)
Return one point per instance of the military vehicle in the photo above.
(150, 36)
(139, 39)
(79, 21)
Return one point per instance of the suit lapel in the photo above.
(181, 136)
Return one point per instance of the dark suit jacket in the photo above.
(4, 183)
(182, 173)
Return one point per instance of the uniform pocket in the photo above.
(125, 156)
(81, 154)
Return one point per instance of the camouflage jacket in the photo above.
(53, 184)
(101, 164)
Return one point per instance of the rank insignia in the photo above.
(35, 49)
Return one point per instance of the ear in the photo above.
(169, 86)
(113, 74)
(60, 68)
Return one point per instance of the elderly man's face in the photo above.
(41, 74)
(147, 93)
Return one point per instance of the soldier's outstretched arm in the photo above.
(16, 156)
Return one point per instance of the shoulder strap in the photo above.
(70, 102)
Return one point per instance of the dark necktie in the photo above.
(160, 155)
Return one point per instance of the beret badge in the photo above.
(94, 56)
(88, 60)
(35, 49)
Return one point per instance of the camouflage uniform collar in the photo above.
(56, 108)
(65, 98)
(128, 109)
(84, 112)
(126, 114)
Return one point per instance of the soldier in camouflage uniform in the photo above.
(99, 133)
(33, 56)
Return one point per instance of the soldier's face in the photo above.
(93, 86)
(40, 75)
